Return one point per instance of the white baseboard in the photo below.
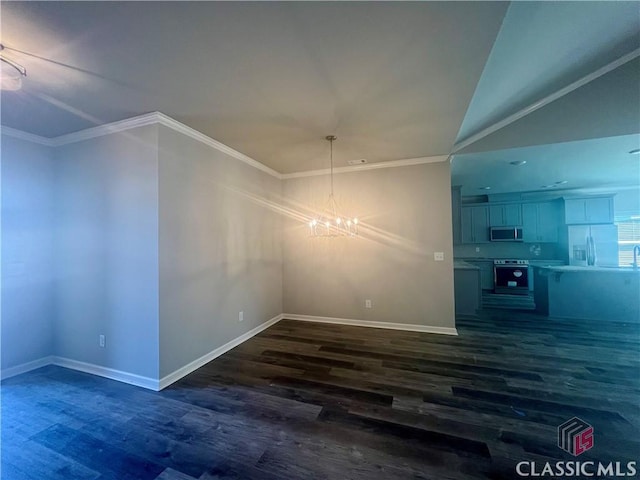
(190, 367)
(25, 367)
(113, 374)
(368, 323)
(154, 384)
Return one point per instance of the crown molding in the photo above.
(157, 118)
(369, 166)
(169, 122)
(29, 137)
(106, 129)
(153, 118)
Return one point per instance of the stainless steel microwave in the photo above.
(506, 234)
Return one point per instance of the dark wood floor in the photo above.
(318, 401)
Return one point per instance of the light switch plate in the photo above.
(438, 256)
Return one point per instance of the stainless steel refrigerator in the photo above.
(593, 245)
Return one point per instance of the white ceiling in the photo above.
(543, 47)
(602, 163)
(393, 80)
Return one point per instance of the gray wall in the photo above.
(106, 251)
(220, 249)
(406, 216)
(27, 252)
(627, 202)
(158, 241)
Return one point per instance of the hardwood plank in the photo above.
(303, 400)
(111, 462)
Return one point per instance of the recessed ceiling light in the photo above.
(635, 151)
(484, 188)
(359, 161)
(562, 182)
(517, 163)
(548, 186)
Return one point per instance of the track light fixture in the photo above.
(11, 73)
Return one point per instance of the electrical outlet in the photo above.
(477, 249)
(438, 256)
(240, 316)
(101, 341)
(367, 303)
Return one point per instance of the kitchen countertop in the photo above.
(534, 262)
(594, 269)
(546, 263)
(462, 265)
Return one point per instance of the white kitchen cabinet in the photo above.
(505, 215)
(540, 222)
(588, 210)
(474, 224)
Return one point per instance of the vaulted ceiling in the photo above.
(393, 80)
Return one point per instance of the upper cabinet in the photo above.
(540, 221)
(588, 210)
(505, 215)
(474, 224)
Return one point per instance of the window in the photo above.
(628, 237)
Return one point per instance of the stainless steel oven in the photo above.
(511, 276)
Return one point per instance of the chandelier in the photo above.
(331, 222)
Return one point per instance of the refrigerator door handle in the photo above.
(591, 251)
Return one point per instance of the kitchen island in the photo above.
(466, 282)
(590, 293)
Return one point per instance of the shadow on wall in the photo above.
(302, 214)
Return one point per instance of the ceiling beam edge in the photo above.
(545, 101)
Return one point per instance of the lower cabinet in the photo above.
(486, 273)
(468, 296)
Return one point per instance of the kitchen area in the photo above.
(557, 255)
